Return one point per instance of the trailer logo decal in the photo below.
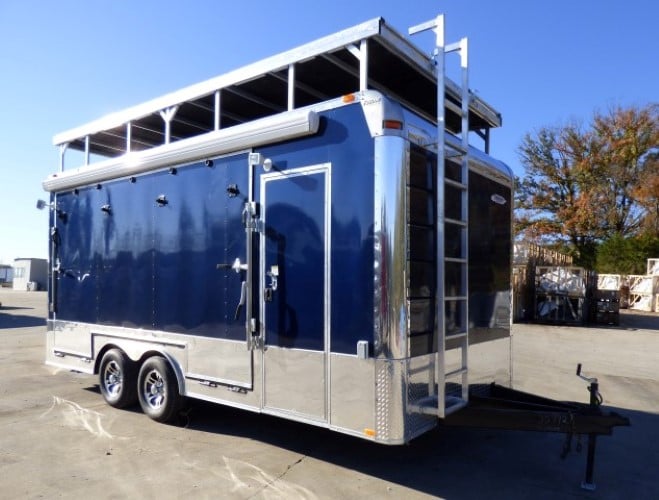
(498, 199)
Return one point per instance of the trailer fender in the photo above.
(176, 367)
(102, 343)
(135, 351)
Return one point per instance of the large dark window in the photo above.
(489, 258)
(489, 254)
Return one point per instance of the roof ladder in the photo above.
(451, 317)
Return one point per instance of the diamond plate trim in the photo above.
(383, 398)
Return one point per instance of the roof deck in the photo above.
(367, 56)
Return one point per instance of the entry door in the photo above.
(294, 290)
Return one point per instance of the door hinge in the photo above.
(255, 341)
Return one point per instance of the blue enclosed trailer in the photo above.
(311, 236)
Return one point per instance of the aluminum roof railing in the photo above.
(370, 55)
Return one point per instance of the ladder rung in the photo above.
(459, 371)
(455, 260)
(453, 47)
(455, 298)
(458, 335)
(456, 184)
(426, 406)
(420, 369)
(457, 222)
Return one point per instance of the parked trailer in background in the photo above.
(305, 237)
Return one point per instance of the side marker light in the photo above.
(392, 124)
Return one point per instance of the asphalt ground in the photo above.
(58, 439)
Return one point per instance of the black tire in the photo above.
(118, 379)
(157, 390)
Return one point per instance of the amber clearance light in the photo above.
(392, 124)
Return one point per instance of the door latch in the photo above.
(273, 274)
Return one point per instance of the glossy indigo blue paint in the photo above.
(76, 251)
(345, 142)
(198, 229)
(294, 217)
(155, 266)
(148, 265)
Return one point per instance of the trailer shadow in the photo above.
(460, 462)
(19, 320)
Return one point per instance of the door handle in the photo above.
(241, 302)
(238, 267)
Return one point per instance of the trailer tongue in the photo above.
(497, 407)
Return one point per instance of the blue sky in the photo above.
(68, 62)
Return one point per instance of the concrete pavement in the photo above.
(59, 439)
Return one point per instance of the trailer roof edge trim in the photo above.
(388, 46)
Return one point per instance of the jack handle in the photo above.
(595, 401)
(593, 388)
(589, 380)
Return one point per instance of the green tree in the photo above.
(584, 185)
(619, 255)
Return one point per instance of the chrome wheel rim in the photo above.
(113, 378)
(154, 389)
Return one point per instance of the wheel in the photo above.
(117, 376)
(157, 390)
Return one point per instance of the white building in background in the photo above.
(30, 274)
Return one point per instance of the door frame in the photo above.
(265, 178)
